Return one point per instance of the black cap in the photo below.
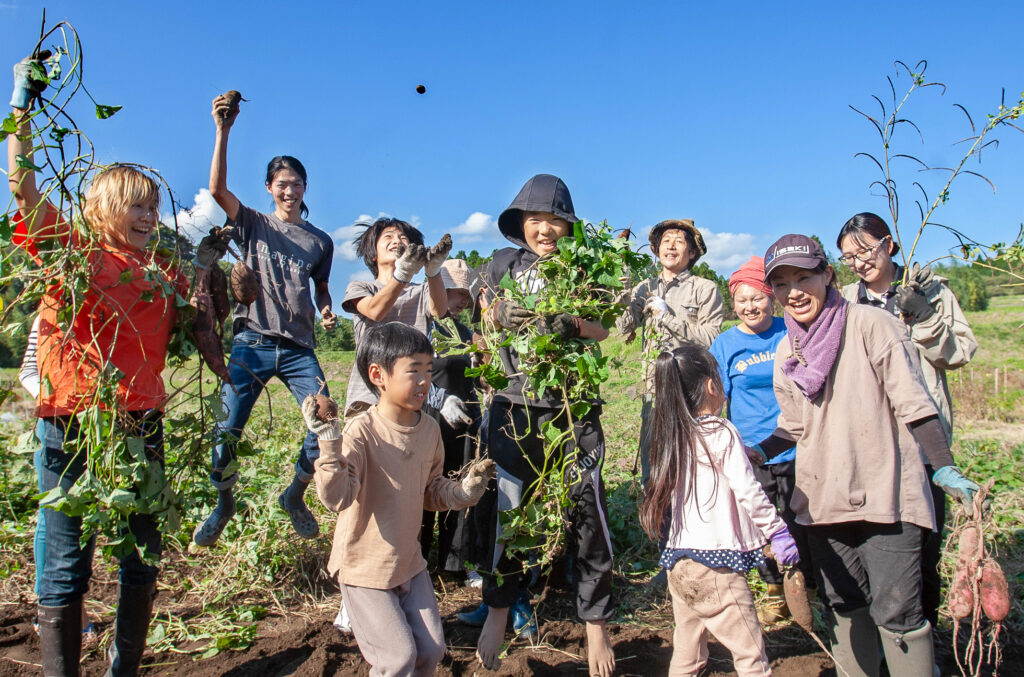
(795, 250)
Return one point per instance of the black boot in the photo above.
(134, 608)
(60, 639)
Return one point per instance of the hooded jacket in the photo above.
(542, 193)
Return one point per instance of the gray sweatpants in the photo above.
(398, 630)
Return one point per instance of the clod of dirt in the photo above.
(326, 408)
(420, 89)
(244, 287)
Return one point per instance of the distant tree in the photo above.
(705, 271)
(342, 337)
(473, 258)
(844, 274)
(967, 283)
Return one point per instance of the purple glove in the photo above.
(784, 548)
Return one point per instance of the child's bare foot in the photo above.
(488, 647)
(600, 654)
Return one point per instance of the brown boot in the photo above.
(773, 608)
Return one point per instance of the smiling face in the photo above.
(405, 387)
(542, 231)
(390, 242)
(287, 188)
(753, 307)
(674, 251)
(869, 257)
(801, 291)
(133, 228)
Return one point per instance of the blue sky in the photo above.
(735, 114)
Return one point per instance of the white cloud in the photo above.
(205, 213)
(727, 251)
(345, 236)
(478, 226)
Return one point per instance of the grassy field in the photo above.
(213, 599)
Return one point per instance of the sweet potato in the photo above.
(219, 293)
(326, 408)
(208, 342)
(244, 287)
(233, 98)
(995, 595)
(795, 587)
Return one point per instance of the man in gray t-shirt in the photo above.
(284, 257)
(274, 334)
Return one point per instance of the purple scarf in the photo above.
(815, 348)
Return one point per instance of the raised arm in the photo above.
(375, 307)
(21, 181)
(224, 114)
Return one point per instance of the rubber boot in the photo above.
(909, 654)
(773, 609)
(60, 639)
(855, 643)
(134, 609)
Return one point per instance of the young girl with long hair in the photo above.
(704, 494)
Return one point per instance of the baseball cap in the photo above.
(795, 250)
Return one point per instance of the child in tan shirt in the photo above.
(379, 475)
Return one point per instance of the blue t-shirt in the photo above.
(746, 363)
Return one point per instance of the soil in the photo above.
(303, 642)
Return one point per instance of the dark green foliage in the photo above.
(342, 337)
(473, 258)
(705, 271)
(968, 285)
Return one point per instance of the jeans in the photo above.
(66, 564)
(255, 359)
(39, 541)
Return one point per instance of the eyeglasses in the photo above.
(864, 255)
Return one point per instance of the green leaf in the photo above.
(104, 112)
(10, 124)
(24, 163)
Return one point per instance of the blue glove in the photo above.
(784, 548)
(26, 86)
(952, 481)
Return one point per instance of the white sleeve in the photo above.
(28, 375)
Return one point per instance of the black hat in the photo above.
(795, 250)
(542, 193)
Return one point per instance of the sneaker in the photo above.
(474, 618)
(303, 522)
(90, 640)
(474, 580)
(524, 621)
(341, 621)
(207, 533)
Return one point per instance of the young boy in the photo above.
(393, 251)
(379, 476)
(539, 216)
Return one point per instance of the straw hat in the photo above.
(456, 274)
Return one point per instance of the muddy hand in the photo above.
(437, 255)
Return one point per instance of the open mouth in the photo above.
(801, 306)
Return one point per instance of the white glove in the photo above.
(436, 256)
(474, 484)
(324, 430)
(454, 411)
(656, 306)
(410, 261)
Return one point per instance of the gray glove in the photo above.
(410, 261)
(436, 256)
(957, 486)
(27, 83)
(454, 412)
(474, 484)
(922, 276)
(324, 430)
(913, 304)
(511, 315)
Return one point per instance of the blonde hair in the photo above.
(113, 192)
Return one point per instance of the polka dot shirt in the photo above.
(738, 560)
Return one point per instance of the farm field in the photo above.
(259, 603)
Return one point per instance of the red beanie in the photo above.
(752, 273)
